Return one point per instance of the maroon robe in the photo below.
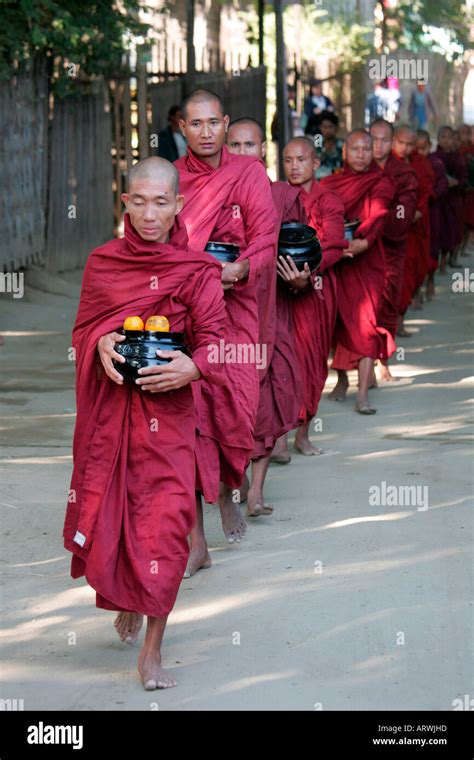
(467, 153)
(361, 280)
(315, 309)
(394, 238)
(452, 210)
(440, 188)
(281, 388)
(233, 204)
(418, 241)
(132, 501)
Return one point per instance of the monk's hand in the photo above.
(452, 182)
(168, 377)
(106, 350)
(417, 216)
(356, 246)
(232, 273)
(291, 274)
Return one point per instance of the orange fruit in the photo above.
(157, 322)
(133, 323)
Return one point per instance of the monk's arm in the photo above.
(260, 220)
(333, 243)
(380, 200)
(207, 315)
(401, 215)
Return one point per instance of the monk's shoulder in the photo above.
(329, 200)
(110, 249)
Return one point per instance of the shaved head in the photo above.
(404, 141)
(247, 121)
(381, 132)
(202, 96)
(154, 168)
(358, 150)
(152, 200)
(382, 123)
(357, 134)
(404, 129)
(300, 162)
(305, 143)
(423, 142)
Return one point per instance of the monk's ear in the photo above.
(125, 199)
(179, 203)
(226, 122)
(264, 149)
(344, 152)
(317, 163)
(182, 125)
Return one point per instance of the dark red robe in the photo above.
(361, 280)
(467, 153)
(394, 238)
(418, 241)
(233, 204)
(315, 310)
(440, 188)
(281, 388)
(132, 499)
(452, 210)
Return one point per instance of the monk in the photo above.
(280, 389)
(418, 241)
(228, 198)
(396, 228)
(439, 190)
(466, 149)
(313, 295)
(131, 504)
(359, 339)
(452, 212)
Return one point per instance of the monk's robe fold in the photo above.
(361, 280)
(452, 209)
(280, 390)
(233, 204)
(132, 498)
(315, 309)
(440, 188)
(394, 237)
(467, 154)
(418, 241)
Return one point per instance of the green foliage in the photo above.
(408, 25)
(90, 35)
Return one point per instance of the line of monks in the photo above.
(146, 457)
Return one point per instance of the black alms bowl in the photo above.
(350, 227)
(301, 243)
(227, 253)
(140, 347)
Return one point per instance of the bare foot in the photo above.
(280, 453)
(363, 406)
(199, 559)
(233, 524)
(339, 391)
(305, 447)
(152, 674)
(430, 290)
(256, 506)
(128, 626)
(385, 374)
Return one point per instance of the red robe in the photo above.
(132, 500)
(361, 280)
(418, 242)
(440, 188)
(233, 204)
(281, 388)
(467, 153)
(315, 310)
(452, 210)
(395, 236)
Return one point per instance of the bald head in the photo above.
(423, 142)
(404, 141)
(152, 200)
(246, 137)
(154, 168)
(358, 150)
(381, 132)
(300, 162)
(199, 97)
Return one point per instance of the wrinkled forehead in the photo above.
(158, 184)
